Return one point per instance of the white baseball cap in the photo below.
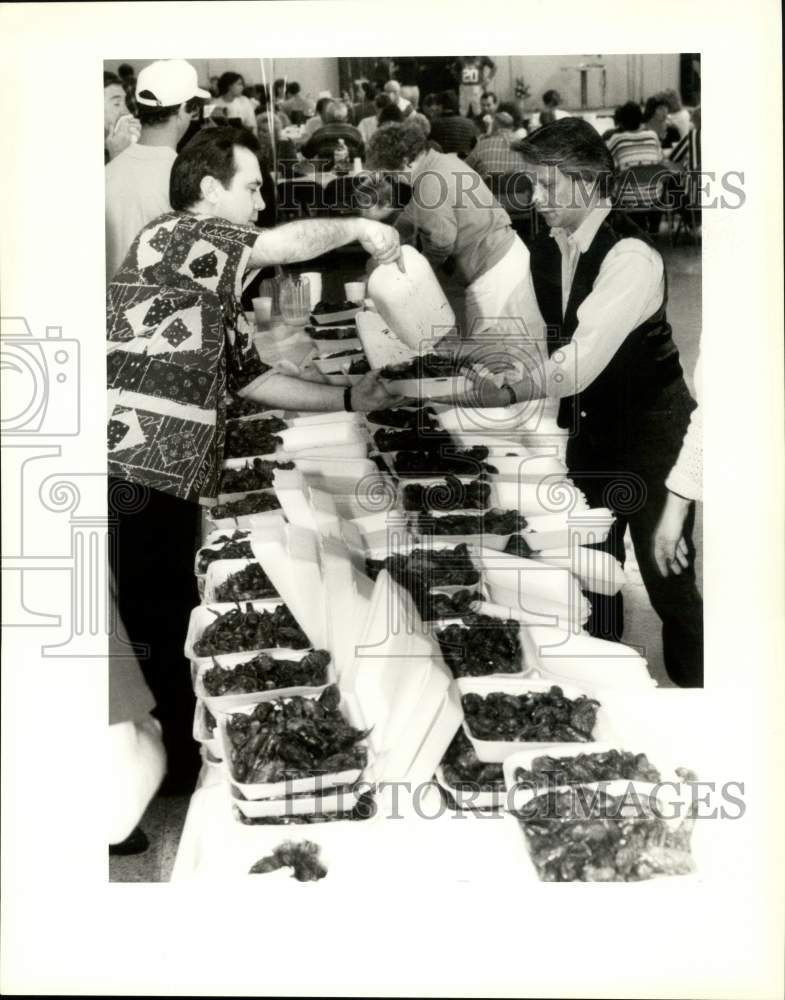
(170, 81)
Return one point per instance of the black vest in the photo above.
(646, 362)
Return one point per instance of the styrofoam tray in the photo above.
(261, 519)
(200, 734)
(201, 617)
(277, 789)
(472, 799)
(558, 531)
(229, 702)
(669, 800)
(439, 485)
(219, 571)
(332, 801)
(495, 751)
(529, 665)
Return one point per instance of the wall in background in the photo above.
(628, 77)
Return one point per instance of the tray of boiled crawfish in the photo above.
(293, 745)
(256, 474)
(619, 831)
(481, 645)
(257, 626)
(237, 679)
(250, 503)
(466, 782)
(254, 436)
(229, 581)
(227, 545)
(449, 493)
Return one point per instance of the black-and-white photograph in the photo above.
(403, 382)
(357, 411)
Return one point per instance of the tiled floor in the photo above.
(163, 821)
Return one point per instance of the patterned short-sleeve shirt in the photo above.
(177, 340)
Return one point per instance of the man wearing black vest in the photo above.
(602, 290)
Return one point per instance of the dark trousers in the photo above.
(155, 537)
(628, 475)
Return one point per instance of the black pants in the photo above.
(629, 477)
(155, 536)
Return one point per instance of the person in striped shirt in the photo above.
(493, 153)
(633, 146)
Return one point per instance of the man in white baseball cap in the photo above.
(137, 180)
(168, 82)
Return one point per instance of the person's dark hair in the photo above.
(448, 100)
(292, 89)
(322, 103)
(511, 109)
(389, 113)
(278, 87)
(110, 79)
(551, 98)
(208, 154)
(126, 71)
(490, 93)
(392, 147)
(652, 104)
(226, 81)
(152, 117)
(368, 90)
(575, 147)
(629, 116)
(381, 101)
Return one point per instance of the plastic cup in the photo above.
(354, 291)
(314, 286)
(262, 310)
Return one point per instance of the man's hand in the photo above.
(127, 129)
(380, 241)
(370, 393)
(670, 548)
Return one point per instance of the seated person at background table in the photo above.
(321, 145)
(294, 105)
(655, 118)
(616, 126)
(458, 223)
(369, 124)
(632, 145)
(233, 101)
(319, 119)
(431, 106)
(120, 127)
(602, 291)
(137, 180)
(551, 100)
(365, 106)
(178, 340)
(393, 90)
(489, 105)
(678, 115)
(453, 132)
(493, 153)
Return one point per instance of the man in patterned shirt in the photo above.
(177, 341)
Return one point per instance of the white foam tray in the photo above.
(472, 798)
(219, 571)
(209, 743)
(201, 617)
(496, 751)
(331, 802)
(261, 519)
(278, 789)
(230, 702)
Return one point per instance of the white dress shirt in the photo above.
(629, 288)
